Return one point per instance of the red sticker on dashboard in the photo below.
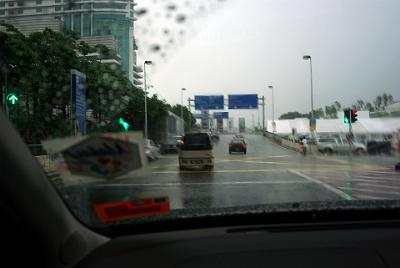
(133, 208)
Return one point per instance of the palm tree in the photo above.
(369, 107)
(390, 99)
(378, 102)
(338, 106)
(385, 99)
(328, 111)
(360, 104)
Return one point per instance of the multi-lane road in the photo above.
(267, 174)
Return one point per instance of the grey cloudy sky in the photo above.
(248, 44)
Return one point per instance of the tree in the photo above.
(369, 107)
(385, 99)
(390, 99)
(337, 105)
(360, 105)
(331, 111)
(293, 115)
(41, 64)
(189, 118)
(378, 103)
(319, 113)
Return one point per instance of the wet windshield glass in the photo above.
(103, 92)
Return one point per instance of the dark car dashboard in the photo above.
(355, 245)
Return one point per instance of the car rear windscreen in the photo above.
(196, 142)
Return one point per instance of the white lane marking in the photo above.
(323, 184)
(370, 196)
(378, 178)
(200, 183)
(385, 172)
(215, 171)
(266, 157)
(342, 179)
(371, 191)
(378, 186)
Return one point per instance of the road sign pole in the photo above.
(5, 94)
(263, 113)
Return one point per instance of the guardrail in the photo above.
(289, 143)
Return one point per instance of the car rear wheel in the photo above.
(245, 151)
(327, 151)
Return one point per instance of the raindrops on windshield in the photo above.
(161, 28)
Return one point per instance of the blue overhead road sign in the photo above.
(209, 102)
(247, 101)
(223, 115)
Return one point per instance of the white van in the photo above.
(196, 150)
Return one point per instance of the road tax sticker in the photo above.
(133, 208)
(104, 156)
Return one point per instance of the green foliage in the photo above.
(39, 66)
(189, 118)
(293, 115)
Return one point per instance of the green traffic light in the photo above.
(347, 116)
(124, 124)
(12, 98)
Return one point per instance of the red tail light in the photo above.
(244, 146)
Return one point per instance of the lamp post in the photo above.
(183, 89)
(147, 62)
(273, 103)
(307, 57)
(273, 108)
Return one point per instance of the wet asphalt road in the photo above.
(267, 174)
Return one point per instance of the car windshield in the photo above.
(312, 86)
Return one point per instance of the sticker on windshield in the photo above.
(106, 156)
(133, 208)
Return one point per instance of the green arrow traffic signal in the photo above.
(346, 116)
(12, 98)
(124, 124)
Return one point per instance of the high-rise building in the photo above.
(110, 23)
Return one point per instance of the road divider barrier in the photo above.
(290, 143)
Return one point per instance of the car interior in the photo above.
(38, 230)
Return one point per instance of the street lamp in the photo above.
(147, 62)
(273, 108)
(307, 57)
(183, 89)
(273, 103)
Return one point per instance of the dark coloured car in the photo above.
(169, 146)
(238, 146)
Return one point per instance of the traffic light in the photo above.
(347, 116)
(12, 99)
(354, 115)
(124, 124)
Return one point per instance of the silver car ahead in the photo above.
(341, 146)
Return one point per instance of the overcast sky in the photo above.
(247, 45)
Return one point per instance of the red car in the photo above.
(237, 146)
